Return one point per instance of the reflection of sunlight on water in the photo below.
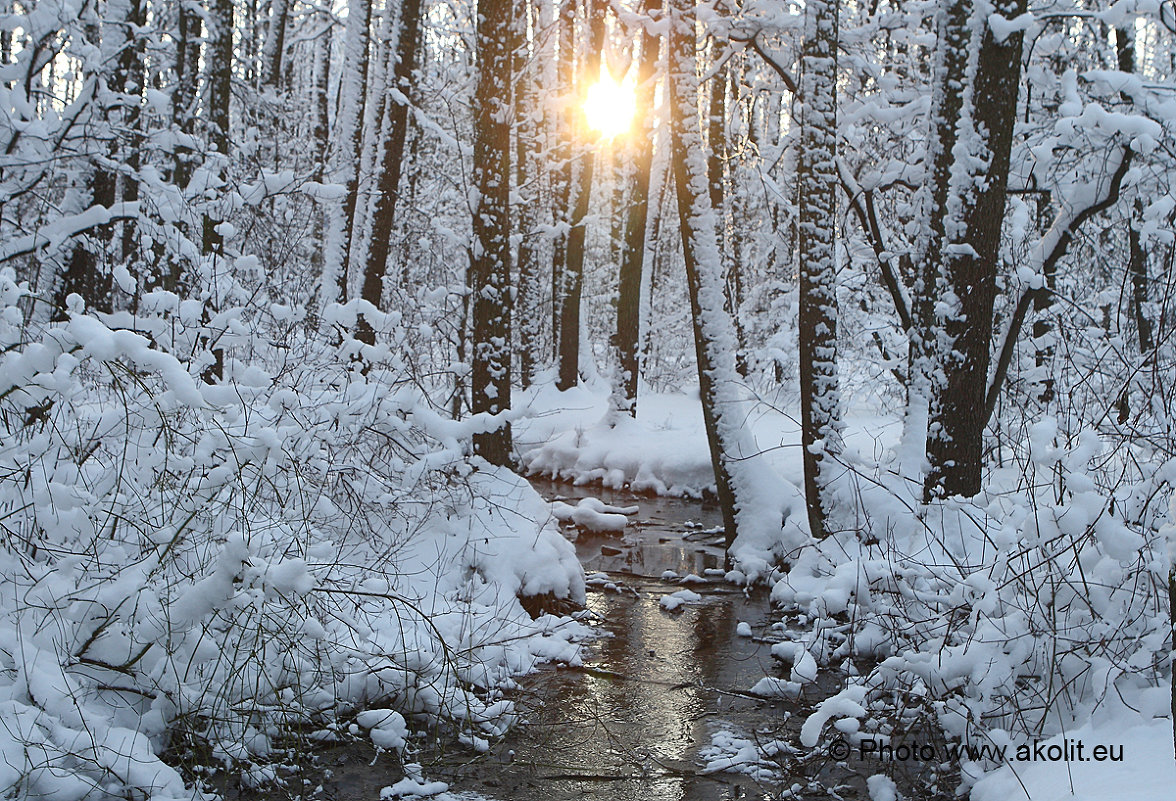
(630, 725)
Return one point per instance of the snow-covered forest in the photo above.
(296, 296)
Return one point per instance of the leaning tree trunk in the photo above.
(955, 444)
(391, 162)
(817, 183)
(714, 339)
(490, 263)
(637, 218)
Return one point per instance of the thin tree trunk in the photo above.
(637, 217)
(391, 162)
(527, 167)
(562, 176)
(573, 272)
(352, 100)
(713, 337)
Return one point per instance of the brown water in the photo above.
(630, 723)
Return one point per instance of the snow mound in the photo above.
(594, 515)
(677, 599)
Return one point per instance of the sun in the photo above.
(610, 106)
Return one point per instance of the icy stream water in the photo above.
(630, 724)
(639, 720)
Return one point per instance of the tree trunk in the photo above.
(527, 174)
(187, 68)
(637, 218)
(947, 103)
(219, 62)
(713, 337)
(565, 127)
(275, 42)
(352, 99)
(817, 182)
(955, 444)
(573, 272)
(391, 162)
(491, 289)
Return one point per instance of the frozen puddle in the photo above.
(660, 710)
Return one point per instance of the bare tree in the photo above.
(490, 262)
(637, 217)
(817, 187)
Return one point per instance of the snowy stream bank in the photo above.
(661, 708)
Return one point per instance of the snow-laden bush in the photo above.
(209, 567)
(1014, 614)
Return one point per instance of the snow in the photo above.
(731, 751)
(675, 600)
(594, 515)
(574, 435)
(882, 788)
(1147, 772)
(266, 539)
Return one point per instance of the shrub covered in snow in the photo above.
(212, 565)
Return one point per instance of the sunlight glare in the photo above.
(610, 106)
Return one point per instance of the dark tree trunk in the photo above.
(219, 59)
(527, 171)
(187, 68)
(130, 80)
(955, 445)
(275, 46)
(637, 218)
(817, 182)
(562, 176)
(573, 272)
(491, 289)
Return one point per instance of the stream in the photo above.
(631, 722)
(637, 721)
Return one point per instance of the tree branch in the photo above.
(1066, 231)
(868, 219)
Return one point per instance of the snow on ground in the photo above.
(1147, 771)
(574, 436)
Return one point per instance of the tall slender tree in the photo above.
(390, 164)
(527, 181)
(572, 284)
(352, 100)
(633, 252)
(714, 338)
